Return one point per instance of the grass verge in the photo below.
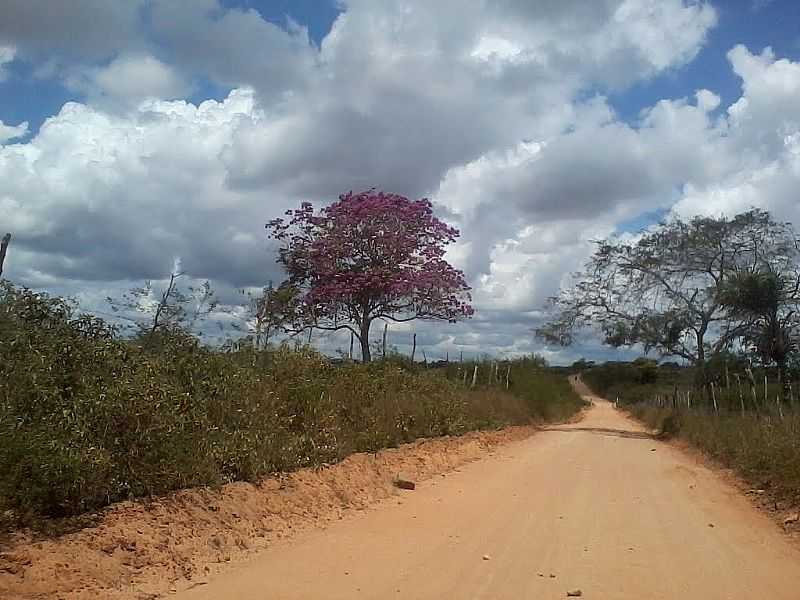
(764, 450)
(747, 431)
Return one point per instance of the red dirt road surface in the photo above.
(596, 506)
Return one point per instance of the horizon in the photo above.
(174, 132)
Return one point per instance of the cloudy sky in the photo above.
(134, 133)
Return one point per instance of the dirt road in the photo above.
(596, 506)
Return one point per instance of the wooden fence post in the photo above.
(413, 347)
(352, 336)
(766, 390)
(508, 375)
(385, 329)
(3, 249)
(741, 395)
(752, 381)
(727, 377)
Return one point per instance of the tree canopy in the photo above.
(767, 301)
(664, 289)
(371, 255)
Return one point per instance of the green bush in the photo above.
(87, 419)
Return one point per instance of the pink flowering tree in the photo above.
(368, 256)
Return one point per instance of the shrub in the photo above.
(87, 419)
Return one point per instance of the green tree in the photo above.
(768, 302)
(663, 290)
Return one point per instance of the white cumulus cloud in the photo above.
(132, 78)
(12, 132)
(7, 54)
(497, 111)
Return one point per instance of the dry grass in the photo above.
(764, 450)
(87, 419)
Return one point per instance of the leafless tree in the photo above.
(170, 307)
(270, 313)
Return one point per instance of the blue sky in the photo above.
(754, 23)
(535, 128)
(316, 15)
(26, 97)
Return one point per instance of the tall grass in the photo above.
(547, 394)
(765, 450)
(87, 419)
(750, 430)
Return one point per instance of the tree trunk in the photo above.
(165, 299)
(413, 348)
(364, 339)
(3, 249)
(741, 395)
(701, 365)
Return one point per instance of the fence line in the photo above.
(722, 397)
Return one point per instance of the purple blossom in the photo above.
(371, 255)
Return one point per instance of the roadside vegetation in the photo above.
(721, 295)
(88, 418)
(739, 421)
